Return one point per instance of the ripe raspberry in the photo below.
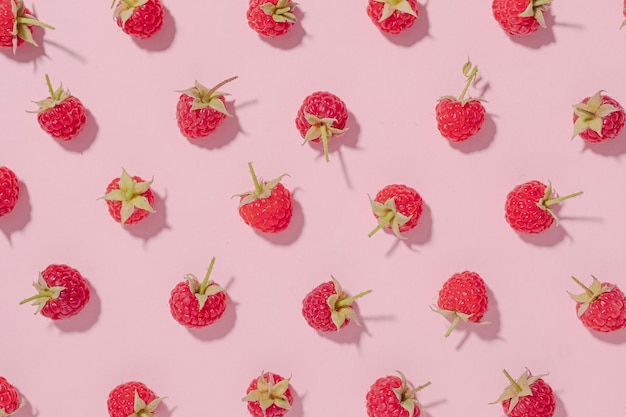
(269, 396)
(391, 396)
(602, 307)
(327, 308)
(132, 399)
(520, 18)
(269, 207)
(195, 304)
(129, 199)
(598, 118)
(16, 24)
(398, 208)
(10, 398)
(62, 292)
(527, 207)
(9, 190)
(61, 114)
(271, 18)
(139, 18)
(528, 396)
(200, 111)
(321, 115)
(393, 16)
(463, 297)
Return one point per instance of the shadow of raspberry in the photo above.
(85, 138)
(615, 147)
(419, 236)
(351, 334)
(293, 231)
(152, 225)
(27, 52)
(27, 409)
(86, 318)
(481, 140)
(224, 134)
(489, 329)
(617, 337)
(19, 218)
(161, 40)
(223, 326)
(542, 37)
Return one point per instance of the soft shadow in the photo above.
(542, 37)
(415, 33)
(292, 38)
(351, 333)
(68, 51)
(27, 52)
(221, 327)
(481, 140)
(430, 405)
(560, 410)
(297, 408)
(551, 237)
(224, 134)
(163, 410)
(613, 147)
(349, 138)
(161, 40)
(617, 337)
(27, 409)
(488, 328)
(293, 230)
(152, 225)
(85, 319)
(19, 217)
(418, 236)
(85, 138)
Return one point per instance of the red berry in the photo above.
(269, 396)
(200, 111)
(132, 399)
(9, 190)
(528, 396)
(598, 118)
(397, 207)
(16, 24)
(129, 199)
(391, 396)
(527, 207)
(271, 18)
(392, 16)
(327, 308)
(139, 18)
(62, 292)
(321, 115)
(520, 17)
(602, 307)
(197, 304)
(10, 398)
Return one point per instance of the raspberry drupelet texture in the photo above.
(139, 18)
(132, 398)
(397, 207)
(540, 403)
(129, 199)
(16, 24)
(269, 396)
(602, 307)
(459, 121)
(9, 190)
(65, 120)
(271, 18)
(598, 118)
(391, 16)
(391, 396)
(520, 17)
(10, 398)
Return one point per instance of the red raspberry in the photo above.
(10, 398)
(520, 17)
(16, 24)
(392, 16)
(9, 190)
(271, 18)
(598, 118)
(139, 18)
(602, 307)
(129, 199)
(391, 396)
(397, 207)
(527, 396)
(269, 396)
(132, 399)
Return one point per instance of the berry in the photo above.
(269, 207)
(321, 115)
(327, 308)
(269, 396)
(16, 24)
(62, 292)
(602, 307)
(529, 396)
(527, 208)
(10, 398)
(200, 111)
(598, 118)
(9, 190)
(459, 119)
(398, 208)
(129, 199)
(520, 18)
(61, 115)
(462, 297)
(195, 304)
(132, 399)
(139, 18)
(393, 16)
(391, 396)
(271, 18)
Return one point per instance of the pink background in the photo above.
(390, 85)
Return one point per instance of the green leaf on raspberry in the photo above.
(590, 295)
(44, 294)
(268, 393)
(388, 214)
(141, 409)
(591, 114)
(21, 23)
(282, 11)
(203, 290)
(546, 201)
(57, 96)
(390, 6)
(126, 8)
(130, 194)
(262, 189)
(406, 396)
(456, 317)
(321, 128)
(341, 305)
(517, 389)
(535, 9)
(208, 98)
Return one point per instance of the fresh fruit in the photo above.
(528, 207)
(269, 396)
(321, 116)
(129, 199)
(624, 13)
(196, 304)
(139, 18)
(9, 190)
(391, 396)
(269, 207)
(397, 207)
(393, 16)
(10, 398)
(271, 18)
(62, 292)
(463, 297)
(598, 118)
(529, 396)
(200, 111)
(520, 17)
(132, 399)
(16, 24)
(61, 114)
(458, 119)
(602, 307)
(327, 308)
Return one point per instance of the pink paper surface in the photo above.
(390, 85)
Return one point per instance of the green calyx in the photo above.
(388, 215)
(21, 23)
(535, 9)
(126, 8)
(591, 114)
(406, 396)
(281, 12)
(204, 290)
(546, 201)
(454, 315)
(204, 97)
(590, 295)
(130, 194)
(141, 409)
(517, 389)
(268, 393)
(390, 7)
(44, 294)
(469, 71)
(262, 189)
(341, 305)
(321, 128)
(57, 96)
